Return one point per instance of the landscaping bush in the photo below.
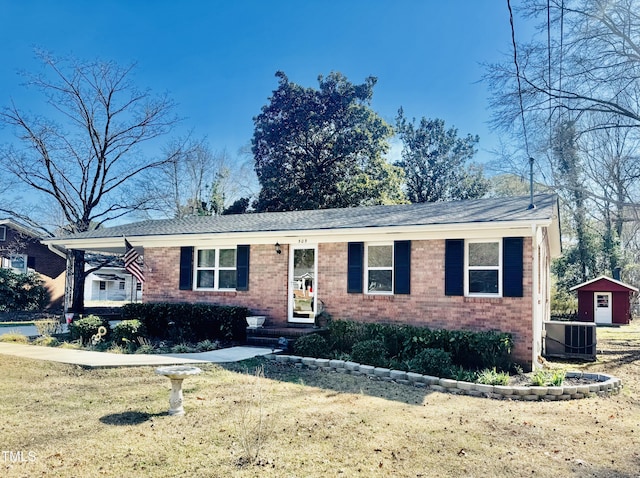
(435, 362)
(87, 327)
(312, 345)
(189, 322)
(15, 337)
(370, 352)
(127, 332)
(402, 343)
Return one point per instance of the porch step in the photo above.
(278, 337)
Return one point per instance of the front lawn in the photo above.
(60, 420)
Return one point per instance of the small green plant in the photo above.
(542, 378)
(182, 349)
(14, 337)
(370, 352)
(463, 375)
(46, 341)
(539, 378)
(128, 331)
(434, 362)
(557, 377)
(146, 349)
(207, 345)
(492, 377)
(312, 345)
(48, 327)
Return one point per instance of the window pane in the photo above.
(484, 254)
(483, 282)
(380, 256)
(227, 258)
(205, 280)
(207, 258)
(380, 281)
(227, 280)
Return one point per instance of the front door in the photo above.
(303, 264)
(602, 307)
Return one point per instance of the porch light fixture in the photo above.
(278, 248)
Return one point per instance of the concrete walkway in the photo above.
(89, 359)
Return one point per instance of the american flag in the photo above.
(131, 262)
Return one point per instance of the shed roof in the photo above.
(603, 284)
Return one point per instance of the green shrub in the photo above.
(493, 377)
(311, 345)
(189, 322)
(434, 362)
(370, 352)
(85, 328)
(344, 334)
(127, 332)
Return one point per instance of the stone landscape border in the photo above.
(602, 384)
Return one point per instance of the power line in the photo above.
(515, 61)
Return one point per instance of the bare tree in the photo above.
(86, 152)
(196, 181)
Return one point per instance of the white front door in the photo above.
(602, 307)
(303, 265)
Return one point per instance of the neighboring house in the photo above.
(479, 264)
(22, 251)
(111, 284)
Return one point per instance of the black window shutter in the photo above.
(242, 267)
(186, 268)
(355, 258)
(31, 262)
(454, 267)
(512, 268)
(402, 267)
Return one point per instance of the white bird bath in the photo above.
(177, 374)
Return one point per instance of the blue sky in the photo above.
(217, 59)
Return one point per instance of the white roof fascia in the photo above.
(424, 232)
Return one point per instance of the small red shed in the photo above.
(604, 301)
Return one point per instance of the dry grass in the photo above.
(113, 422)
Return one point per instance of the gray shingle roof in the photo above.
(454, 212)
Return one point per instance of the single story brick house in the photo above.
(479, 264)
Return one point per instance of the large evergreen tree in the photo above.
(434, 160)
(322, 148)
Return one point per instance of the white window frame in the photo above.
(468, 268)
(367, 268)
(3, 233)
(216, 268)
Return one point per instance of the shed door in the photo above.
(602, 307)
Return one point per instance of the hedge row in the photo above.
(397, 345)
(189, 322)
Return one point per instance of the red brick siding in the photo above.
(426, 305)
(267, 294)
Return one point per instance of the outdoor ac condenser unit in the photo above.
(570, 340)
